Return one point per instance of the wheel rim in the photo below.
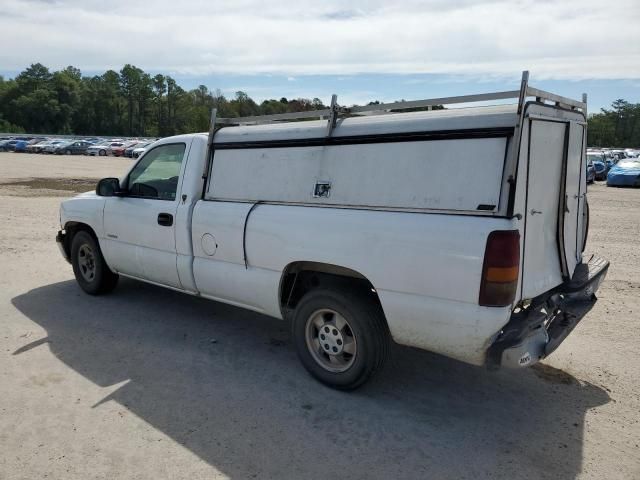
(87, 262)
(330, 340)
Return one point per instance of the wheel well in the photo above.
(298, 278)
(71, 228)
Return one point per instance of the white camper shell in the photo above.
(459, 231)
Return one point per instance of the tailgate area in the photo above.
(535, 331)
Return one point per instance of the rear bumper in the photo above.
(534, 332)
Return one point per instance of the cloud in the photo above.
(571, 39)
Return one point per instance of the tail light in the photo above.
(501, 269)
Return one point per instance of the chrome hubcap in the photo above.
(330, 340)
(87, 263)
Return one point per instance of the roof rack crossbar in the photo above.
(482, 97)
(335, 110)
(552, 97)
(275, 117)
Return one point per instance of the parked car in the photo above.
(115, 145)
(77, 147)
(591, 173)
(119, 151)
(102, 149)
(609, 163)
(128, 152)
(39, 147)
(20, 146)
(618, 155)
(140, 149)
(600, 169)
(626, 173)
(318, 222)
(9, 145)
(52, 145)
(34, 145)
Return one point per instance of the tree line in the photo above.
(618, 126)
(132, 102)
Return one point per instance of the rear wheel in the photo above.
(91, 271)
(67, 152)
(341, 339)
(102, 153)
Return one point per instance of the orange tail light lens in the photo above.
(501, 269)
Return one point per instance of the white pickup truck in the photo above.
(458, 231)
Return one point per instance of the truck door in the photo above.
(556, 185)
(140, 226)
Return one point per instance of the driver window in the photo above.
(156, 175)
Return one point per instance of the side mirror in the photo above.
(108, 187)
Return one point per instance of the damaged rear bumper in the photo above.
(535, 331)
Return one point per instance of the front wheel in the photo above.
(341, 339)
(102, 153)
(91, 271)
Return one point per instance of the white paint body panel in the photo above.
(423, 309)
(541, 261)
(84, 208)
(426, 267)
(399, 175)
(134, 243)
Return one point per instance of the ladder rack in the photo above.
(335, 111)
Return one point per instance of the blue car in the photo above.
(626, 173)
(591, 173)
(8, 145)
(600, 169)
(609, 163)
(20, 146)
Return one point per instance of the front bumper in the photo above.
(534, 332)
(61, 241)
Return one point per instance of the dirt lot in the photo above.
(148, 383)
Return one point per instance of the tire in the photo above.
(91, 271)
(67, 152)
(360, 324)
(102, 153)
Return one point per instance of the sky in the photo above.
(361, 50)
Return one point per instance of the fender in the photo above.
(85, 208)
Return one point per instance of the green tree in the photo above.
(130, 78)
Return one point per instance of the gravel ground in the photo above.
(148, 383)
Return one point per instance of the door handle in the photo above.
(535, 212)
(165, 219)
